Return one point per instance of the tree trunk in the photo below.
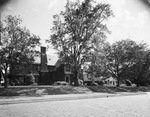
(5, 79)
(76, 83)
(138, 81)
(0, 77)
(93, 80)
(5, 83)
(137, 85)
(118, 82)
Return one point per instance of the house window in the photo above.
(108, 82)
(37, 67)
(105, 82)
(67, 69)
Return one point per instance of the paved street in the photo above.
(124, 106)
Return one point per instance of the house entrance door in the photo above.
(67, 78)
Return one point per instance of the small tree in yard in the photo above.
(74, 28)
(18, 47)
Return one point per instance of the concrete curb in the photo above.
(20, 100)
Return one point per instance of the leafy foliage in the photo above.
(74, 29)
(139, 72)
(124, 55)
(18, 46)
(97, 61)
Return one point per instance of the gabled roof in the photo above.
(61, 61)
(51, 60)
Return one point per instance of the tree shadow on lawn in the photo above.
(56, 90)
(8, 92)
(101, 89)
(18, 92)
(38, 91)
(114, 89)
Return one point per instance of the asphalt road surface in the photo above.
(124, 106)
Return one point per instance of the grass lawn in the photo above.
(55, 90)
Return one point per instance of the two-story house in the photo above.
(48, 69)
(53, 69)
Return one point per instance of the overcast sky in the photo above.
(132, 17)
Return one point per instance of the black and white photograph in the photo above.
(74, 58)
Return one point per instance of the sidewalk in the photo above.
(44, 98)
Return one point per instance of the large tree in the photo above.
(18, 47)
(74, 29)
(97, 60)
(122, 55)
(139, 73)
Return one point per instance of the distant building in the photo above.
(109, 81)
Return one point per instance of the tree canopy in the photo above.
(75, 27)
(122, 56)
(18, 46)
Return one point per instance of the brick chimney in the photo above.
(43, 60)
